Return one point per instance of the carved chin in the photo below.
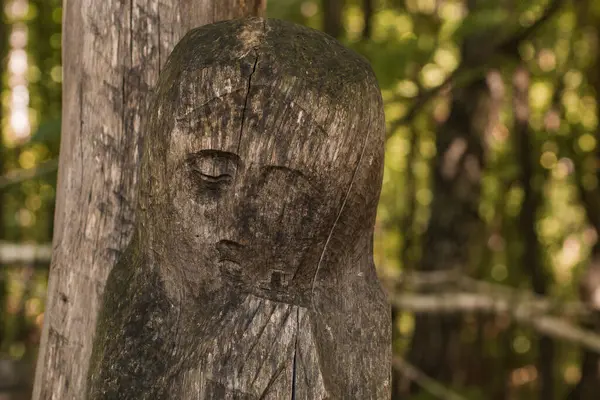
(275, 284)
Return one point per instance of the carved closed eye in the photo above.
(213, 169)
(223, 178)
(289, 177)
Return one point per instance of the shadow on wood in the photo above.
(251, 274)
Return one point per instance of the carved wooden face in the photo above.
(251, 159)
(256, 204)
(261, 171)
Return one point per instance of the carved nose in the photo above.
(230, 250)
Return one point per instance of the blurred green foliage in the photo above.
(28, 207)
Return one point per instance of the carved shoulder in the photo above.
(133, 342)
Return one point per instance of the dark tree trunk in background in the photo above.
(528, 157)
(3, 62)
(454, 220)
(332, 17)
(407, 227)
(112, 54)
(368, 10)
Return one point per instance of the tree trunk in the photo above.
(454, 220)
(332, 17)
(112, 54)
(527, 219)
(3, 275)
(368, 11)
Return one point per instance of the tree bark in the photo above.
(112, 54)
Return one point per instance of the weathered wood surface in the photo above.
(251, 272)
(112, 54)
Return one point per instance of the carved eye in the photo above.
(213, 169)
(288, 177)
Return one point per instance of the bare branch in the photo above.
(453, 281)
(22, 175)
(428, 384)
(24, 253)
(522, 312)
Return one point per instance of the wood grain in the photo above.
(112, 54)
(251, 272)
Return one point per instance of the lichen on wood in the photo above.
(251, 273)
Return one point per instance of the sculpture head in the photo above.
(262, 160)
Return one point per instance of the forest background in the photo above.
(487, 230)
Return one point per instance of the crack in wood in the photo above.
(360, 158)
(295, 361)
(246, 100)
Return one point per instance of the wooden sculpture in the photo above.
(251, 274)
